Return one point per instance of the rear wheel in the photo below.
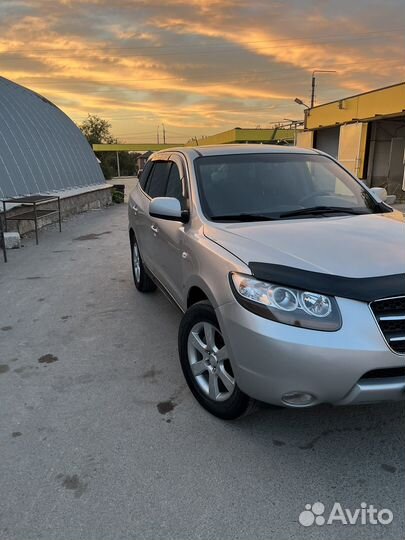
(141, 279)
(206, 365)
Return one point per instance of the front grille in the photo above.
(390, 315)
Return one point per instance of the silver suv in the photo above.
(289, 271)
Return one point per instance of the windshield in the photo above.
(242, 186)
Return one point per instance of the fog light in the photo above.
(298, 399)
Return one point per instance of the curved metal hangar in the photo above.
(41, 149)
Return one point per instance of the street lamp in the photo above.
(313, 82)
(300, 102)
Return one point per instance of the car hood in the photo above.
(352, 246)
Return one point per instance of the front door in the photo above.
(169, 239)
(148, 230)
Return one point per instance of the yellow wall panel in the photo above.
(305, 139)
(352, 145)
(242, 135)
(388, 101)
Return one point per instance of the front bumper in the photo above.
(370, 391)
(272, 359)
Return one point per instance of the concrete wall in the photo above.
(70, 205)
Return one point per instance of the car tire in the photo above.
(141, 279)
(206, 366)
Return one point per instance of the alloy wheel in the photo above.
(209, 361)
(136, 262)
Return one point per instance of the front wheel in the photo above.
(141, 279)
(206, 365)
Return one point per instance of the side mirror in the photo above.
(379, 193)
(168, 208)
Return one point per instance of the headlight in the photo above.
(286, 305)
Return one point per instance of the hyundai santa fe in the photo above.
(290, 274)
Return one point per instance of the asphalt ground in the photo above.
(101, 439)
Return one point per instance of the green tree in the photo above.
(98, 131)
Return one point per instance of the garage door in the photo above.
(388, 149)
(327, 140)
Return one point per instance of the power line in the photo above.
(227, 49)
(205, 85)
(374, 61)
(249, 111)
(215, 46)
(116, 90)
(131, 115)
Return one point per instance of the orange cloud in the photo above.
(196, 65)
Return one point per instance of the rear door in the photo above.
(137, 202)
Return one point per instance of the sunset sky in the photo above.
(198, 66)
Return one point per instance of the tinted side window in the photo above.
(156, 186)
(145, 174)
(174, 184)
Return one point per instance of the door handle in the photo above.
(134, 208)
(154, 228)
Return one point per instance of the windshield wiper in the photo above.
(242, 217)
(320, 210)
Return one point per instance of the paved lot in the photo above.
(100, 438)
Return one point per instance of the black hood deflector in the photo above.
(365, 289)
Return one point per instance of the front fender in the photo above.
(208, 269)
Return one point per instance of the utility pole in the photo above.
(164, 134)
(118, 165)
(157, 135)
(313, 82)
(313, 89)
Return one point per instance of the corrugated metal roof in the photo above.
(41, 149)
